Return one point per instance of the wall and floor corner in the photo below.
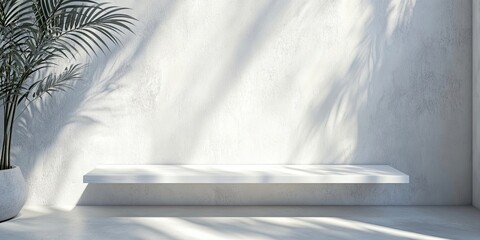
(266, 82)
(476, 103)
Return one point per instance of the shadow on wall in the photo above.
(339, 107)
(181, 135)
(388, 99)
(63, 115)
(333, 121)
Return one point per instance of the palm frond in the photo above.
(81, 25)
(35, 34)
(54, 82)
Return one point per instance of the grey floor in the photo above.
(195, 222)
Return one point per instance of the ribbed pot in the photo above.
(13, 192)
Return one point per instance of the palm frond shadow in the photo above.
(345, 98)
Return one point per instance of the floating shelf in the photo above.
(245, 174)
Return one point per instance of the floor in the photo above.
(215, 222)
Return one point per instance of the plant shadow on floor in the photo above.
(232, 222)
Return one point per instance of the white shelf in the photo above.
(245, 174)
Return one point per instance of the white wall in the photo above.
(266, 82)
(476, 103)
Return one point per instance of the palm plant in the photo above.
(37, 35)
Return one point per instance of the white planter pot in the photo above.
(13, 192)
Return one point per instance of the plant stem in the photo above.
(7, 135)
(2, 158)
(10, 131)
(6, 119)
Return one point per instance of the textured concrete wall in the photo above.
(476, 102)
(266, 82)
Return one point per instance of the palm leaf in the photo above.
(55, 83)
